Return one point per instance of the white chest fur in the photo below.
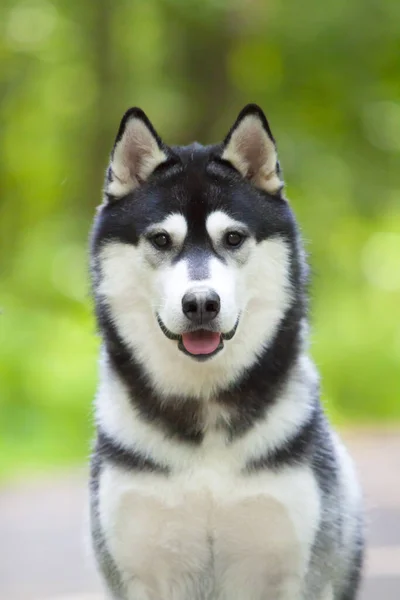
(207, 531)
(209, 534)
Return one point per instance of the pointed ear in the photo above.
(250, 148)
(137, 151)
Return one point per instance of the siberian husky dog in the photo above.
(215, 475)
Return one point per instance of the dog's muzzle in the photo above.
(200, 344)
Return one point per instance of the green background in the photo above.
(327, 76)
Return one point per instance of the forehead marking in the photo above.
(175, 224)
(198, 260)
(218, 222)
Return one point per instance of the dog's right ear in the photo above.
(137, 151)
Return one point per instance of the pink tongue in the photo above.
(201, 342)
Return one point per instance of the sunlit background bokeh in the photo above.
(327, 76)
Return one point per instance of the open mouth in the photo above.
(200, 344)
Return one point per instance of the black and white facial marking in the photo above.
(195, 255)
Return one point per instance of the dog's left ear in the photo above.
(137, 152)
(251, 150)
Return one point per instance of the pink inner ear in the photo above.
(252, 152)
(135, 157)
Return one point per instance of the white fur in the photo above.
(351, 499)
(218, 222)
(252, 152)
(135, 156)
(174, 224)
(118, 417)
(257, 290)
(210, 529)
(328, 593)
(159, 529)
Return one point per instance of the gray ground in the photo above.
(42, 553)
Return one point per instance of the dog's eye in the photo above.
(234, 239)
(162, 241)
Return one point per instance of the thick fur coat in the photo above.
(215, 474)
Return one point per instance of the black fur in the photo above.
(356, 565)
(197, 182)
(182, 418)
(108, 450)
(294, 451)
(179, 418)
(250, 109)
(103, 555)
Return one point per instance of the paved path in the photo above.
(42, 555)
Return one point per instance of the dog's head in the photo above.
(194, 248)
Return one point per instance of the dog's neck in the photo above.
(234, 406)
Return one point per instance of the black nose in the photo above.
(201, 306)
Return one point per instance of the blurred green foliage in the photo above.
(327, 75)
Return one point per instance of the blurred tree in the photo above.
(327, 76)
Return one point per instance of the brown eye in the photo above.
(234, 239)
(162, 241)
